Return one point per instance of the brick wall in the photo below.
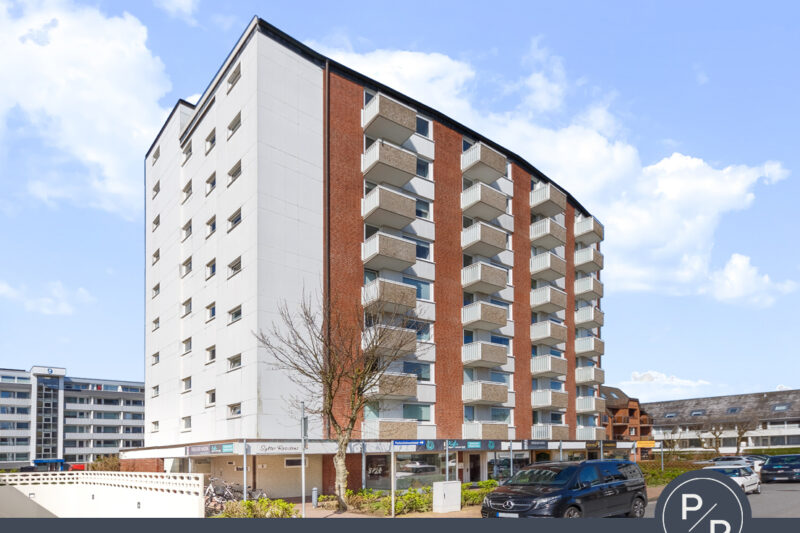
(353, 464)
(521, 242)
(141, 465)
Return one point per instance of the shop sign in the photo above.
(277, 448)
(536, 444)
(646, 444)
(209, 449)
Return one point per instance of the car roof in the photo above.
(732, 465)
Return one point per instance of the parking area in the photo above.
(777, 500)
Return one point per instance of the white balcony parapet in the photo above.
(483, 239)
(589, 404)
(588, 260)
(386, 118)
(548, 366)
(589, 346)
(484, 354)
(548, 267)
(547, 200)
(588, 289)
(482, 163)
(548, 234)
(484, 277)
(589, 317)
(588, 230)
(488, 430)
(590, 433)
(589, 375)
(483, 202)
(550, 432)
(548, 300)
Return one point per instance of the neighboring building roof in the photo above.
(615, 398)
(777, 405)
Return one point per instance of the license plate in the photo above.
(781, 478)
(507, 515)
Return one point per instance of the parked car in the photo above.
(754, 462)
(571, 490)
(781, 468)
(742, 474)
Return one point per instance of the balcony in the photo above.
(483, 239)
(482, 163)
(482, 201)
(588, 231)
(485, 430)
(621, 420)
(384, 118)
(550, 432)
(548, 201)
(548, 366)
(484, 315)
(588, 260)
(484, 392)
(384, 251)
(548, 234)
(549, 399)
(589, 346)
(483, 277)
(590, 433)
(588, 289)
(386, 296)
(385, 207)
(395, 387)
(390, 341)
(548, 300)
(589, 375)
(548, 333)
(385, 163)
(548, 267)
(589, 317)
(590, 404)
(484, 354)
(645, 420)
(389, 429)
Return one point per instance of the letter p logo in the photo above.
(685, 508)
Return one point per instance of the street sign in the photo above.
(646, 444)
(595, 444)
(536, 444)
(409, 443)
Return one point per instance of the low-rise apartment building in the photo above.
(626, 421)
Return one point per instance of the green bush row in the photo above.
(261, 508)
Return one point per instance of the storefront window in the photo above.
(414, 470)
(499, 465)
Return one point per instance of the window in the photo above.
(497, 339)
(156, 323)
(698, 412)
(235, 362)
(423, 330)
(469, 413)
(187, 307)
(154, 426)
(156, 256)
(211, 311)
(186, 423)
(211, 226)
(154, 392)
(155, 358)
(423, 168)
(424, 127)
(418, 412)
(211, 183)
(235, 76)
(211, 268)
(186, 267)
(187, 152)
(234, 124)
(498, 377)
(235, 267)
(733, 410)
(423, 247)
(466, 144)
(187, 230)
(780, 407)
(234, 410)
(500, 414)
(156, 290)
(423, 209)
(556, 418)
(234, 172)
(422, 370)
(211, 140)
(187, 345)
(469, 336)
(234, 219)
(156, 222)
(211, 397)
(156, 189)
(235, 314)
(369, 276)
(633, 431)
(670, 415)
(293, 463)
(186, 384)
(187, 191)
(211, 354)
(423, 287)
(156, 155)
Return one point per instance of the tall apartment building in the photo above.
(295, 172)
(48, 418)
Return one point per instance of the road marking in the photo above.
(702, 517)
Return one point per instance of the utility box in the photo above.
(446, 496)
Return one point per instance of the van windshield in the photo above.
(784, 460)
(543, 475)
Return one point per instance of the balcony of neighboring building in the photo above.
(484, 315)
(482, 163)
(386, 296)
(590, 433)
(645, 420)
(548, 366)
(548, 267)
(548, 333)
(548, 234)
(385, 163)
(549, 399)
(587, 289)
(389, 429)
(621, 420)
(483, 277)
(589, 404)
(589, 317)
(484, 393)
(548, 300)
(588, 231)
(391, 341)
(550, 432)
(386, 207)
(589, 375)
(384, 251)
(589, 346)
(394, 386)
(483, 202)
(385, 118)
(483, 239)
(588, 260)
(484, 354)
(546, 200)
(485, 430)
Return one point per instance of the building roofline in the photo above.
(774, 392)
(180, 102)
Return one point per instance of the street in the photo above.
(777, 500)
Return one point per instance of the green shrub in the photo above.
(673, 468)
(261, 508)
(475, 496)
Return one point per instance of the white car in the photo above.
(742, 474)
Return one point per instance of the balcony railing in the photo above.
(482, 163)
(484, 392)
(389, 208)
(588, 260)
(385, 118)
(548, 234)
(548, 333)
(548, 267)
(590, 433)
(483, 202)
(588, 231)
(550, 432)
(387, 163)
(390, 341)
(589, 317)
(548, 300)
(590, 404)
(484, 315)
(395, 386)
(589, 346)
(389, 429)
(484, 354)
(485, 430)
(589, 375)
(384, 251)
(541, 399)
(483, 277)
(386, 296)
(548, 201)
(588, 289)
(483, 239)
(548, 366)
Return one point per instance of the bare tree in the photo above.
(670, 440)
(743, 426)
(716, 429)
(340, 356)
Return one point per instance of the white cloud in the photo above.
(652, 385)
(224, 22)
(57, 299)
(183, 9)
(700, 75)
(89, 88)
(782, 387)
(739, 281)
(193, 99)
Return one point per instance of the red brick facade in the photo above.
(353, 464)
(569, 319)
(141, 465)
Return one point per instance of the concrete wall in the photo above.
(271, 474)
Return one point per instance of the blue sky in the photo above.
(675, 125)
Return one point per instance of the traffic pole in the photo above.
(244, 470)
(303, 455)
(446, 461)
(510, 459)
(394, 478)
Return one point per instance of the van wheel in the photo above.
(572, 512)
(637, 508)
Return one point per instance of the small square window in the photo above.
(154, 392)
(156, 290)
(235, 124)
(423, 209)
(234, 410)
(186, 267)
(156, 155)
(211, 397)
(156, 256)
(211, 268)
(186, 230)
(211, 183)
(211, 140)
(211, 311)
(156, 324)
(187, 307)
(466, 144)
(235, 362)
(424, 127)
(186, 384)
(187, 191)
(156, 222)
(154, 426)
(155, 358)
(187, 152)
(211, 354)
(187, 345)
(235, 76)
(186, 423)
(235, 314)
(211, 226)
(235, 172)
(423, 168)
(156, 189)
(235, 267)
(235, 219)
